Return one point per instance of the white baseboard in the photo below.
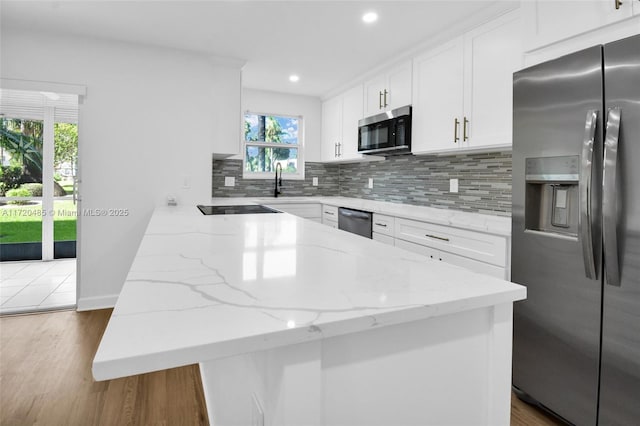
(97, 302)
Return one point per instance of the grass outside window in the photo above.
(23, 224)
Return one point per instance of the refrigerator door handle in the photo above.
(585, 224)
(609, 198)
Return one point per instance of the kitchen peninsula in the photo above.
(293, 322)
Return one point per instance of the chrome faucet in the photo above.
(278, 180)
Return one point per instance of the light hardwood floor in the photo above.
(45, 379)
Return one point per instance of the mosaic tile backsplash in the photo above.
(327, 175)
(484, 181)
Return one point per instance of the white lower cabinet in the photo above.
(453, 259)
(383, 238)
(483, 247)
(330, 216)
(383, 224)
(477, 251)
(383, 228)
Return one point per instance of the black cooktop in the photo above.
(246, 209)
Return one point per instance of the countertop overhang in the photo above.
(207, 287)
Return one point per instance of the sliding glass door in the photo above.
(38, 146)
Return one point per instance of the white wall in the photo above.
(309, 107)
(150, 122)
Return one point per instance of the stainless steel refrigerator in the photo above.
(576, 234)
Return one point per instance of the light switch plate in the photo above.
(453, 185)
(229, 181)
(315, 181)
(370, 183)
(186, 182)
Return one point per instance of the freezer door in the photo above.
(620, 375)
(557, 329)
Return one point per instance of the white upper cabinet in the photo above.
(462, 91)
(547, 22)
(227, 118)
(331, 128)
(437, 98)
(351, 114)
(388, 91)
(340, 116)
(493, 53)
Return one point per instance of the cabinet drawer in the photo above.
(307, 211)
(473, 245)
(383, 224)
(329, 213)
(384, 239)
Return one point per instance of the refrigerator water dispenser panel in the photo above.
(551, 199)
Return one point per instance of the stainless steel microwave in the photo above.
(388, 133)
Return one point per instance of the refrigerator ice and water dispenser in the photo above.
(551, 199)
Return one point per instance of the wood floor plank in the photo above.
(45, 379)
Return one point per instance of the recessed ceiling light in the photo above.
(294, 78)
(370, 17)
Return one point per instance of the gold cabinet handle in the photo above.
(385, 98)
(456, 124)
(618, 3)
(465, 136)
(380, 100)
(436, 237)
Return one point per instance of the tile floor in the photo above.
(30, 286)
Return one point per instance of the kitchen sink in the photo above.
(239, 209)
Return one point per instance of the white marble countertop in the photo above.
(489, 224)
(206, 287)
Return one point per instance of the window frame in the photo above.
(262, 144)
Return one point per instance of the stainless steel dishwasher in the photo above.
(355, 221)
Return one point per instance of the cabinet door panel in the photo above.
(452, 259)
(549, 22)
(372, 99)
(383, 224)
(331, 127)
(437, 98)
(329, 214)
(493, 53)
(399, 87)
(351, 114)
(331, 223)
(477, 245)
(428, 252)
(473, 265)
(383, 239)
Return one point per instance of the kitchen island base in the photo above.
(449, 369)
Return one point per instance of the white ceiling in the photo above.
(324, 42)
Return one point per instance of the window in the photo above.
(270, 140)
